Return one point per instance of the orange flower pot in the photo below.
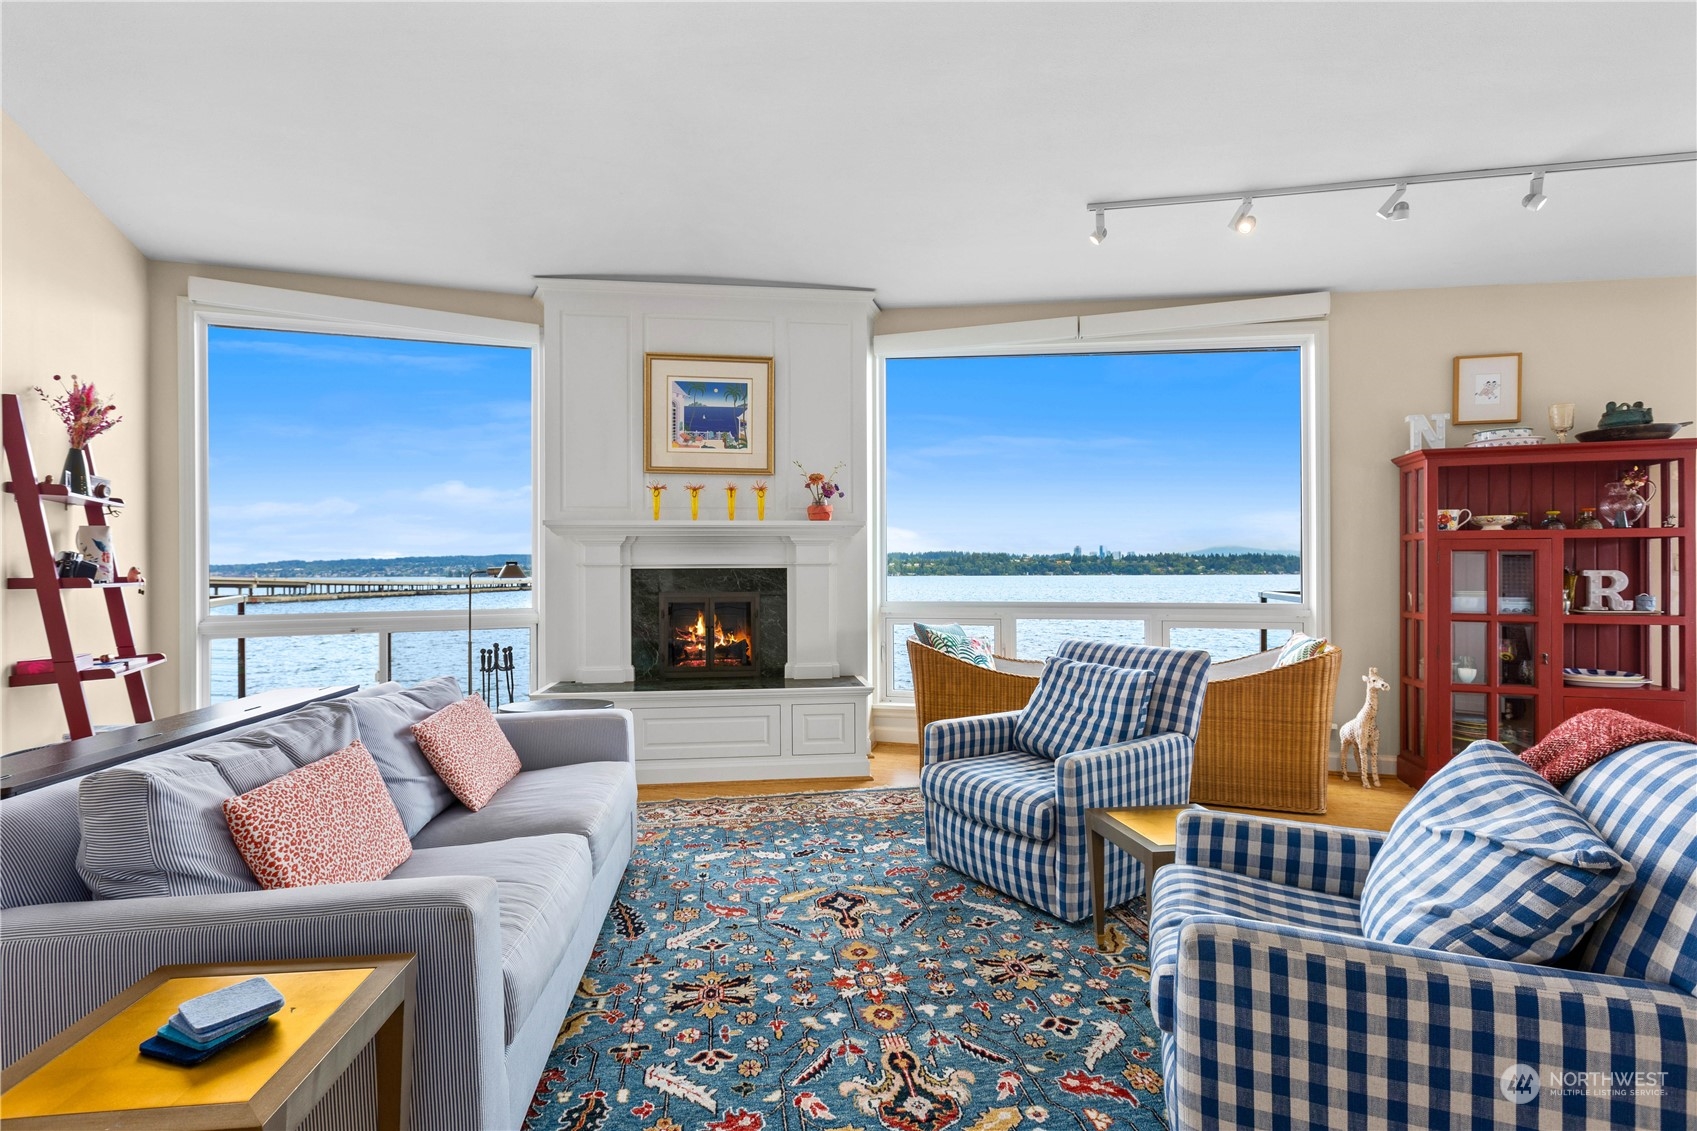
(819, 512)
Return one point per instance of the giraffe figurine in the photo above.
(1362, 734)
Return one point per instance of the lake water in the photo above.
(309, 661)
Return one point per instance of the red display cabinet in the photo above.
(1486, 638)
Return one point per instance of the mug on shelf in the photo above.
(1453, 519)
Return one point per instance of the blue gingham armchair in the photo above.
(1276, 1011)
(1016, 821)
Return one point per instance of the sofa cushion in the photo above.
(1300, 647)
(156, 826)
(1081, 706)
(1185, 890)
(328, 822)
(1644, 801)
(385, 726)
(1489, 860)
(1181, 678)
(595, 800)
(312, 732)
(1014, 792)
(38, 847)
(468, 751)
(542, 884)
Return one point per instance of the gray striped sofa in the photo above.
(502, 908)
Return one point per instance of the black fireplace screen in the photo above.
(709, 633)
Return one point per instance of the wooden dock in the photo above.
(280, 590)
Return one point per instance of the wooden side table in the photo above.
(92, 1076)
(1149, 834)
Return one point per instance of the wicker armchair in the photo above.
(1265, 737)
(947, 688)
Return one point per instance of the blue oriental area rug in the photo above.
(800, 963)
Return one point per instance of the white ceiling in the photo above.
(941, 153)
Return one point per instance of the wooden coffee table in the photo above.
(91, 1076)
(1149, 834)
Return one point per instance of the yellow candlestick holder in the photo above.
(760, 501)
(694, 490)
(731, 502)
(654, 490)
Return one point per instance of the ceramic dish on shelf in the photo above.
(1602, 678)
(1514, 604)
(1507, 442)
(1481, 435)
(1493, 521)
(1631, 432)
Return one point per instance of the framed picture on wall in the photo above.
(708, 414)
(1487, 389)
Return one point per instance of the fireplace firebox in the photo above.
(709, 634)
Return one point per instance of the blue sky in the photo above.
(1135, 452)
(330, 446)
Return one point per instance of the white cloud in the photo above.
(901, 540)
(271, 509)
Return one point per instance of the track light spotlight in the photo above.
(1243, 223)
(1396, 208)
(1535, 199)
(1101, 232)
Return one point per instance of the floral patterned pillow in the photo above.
(465, 746)
(330, 822)
(952, 640)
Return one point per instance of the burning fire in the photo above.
(734, 648)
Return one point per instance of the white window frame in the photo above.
(216, 302)
(1284, 322)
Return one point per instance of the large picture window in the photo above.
(358, 483)
(1146, 493)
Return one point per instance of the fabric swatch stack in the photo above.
(207, 1024)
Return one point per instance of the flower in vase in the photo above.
(821, 485)
(84, 414)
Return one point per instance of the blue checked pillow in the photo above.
(952, 640)
(1080, 706)
(1489, 860)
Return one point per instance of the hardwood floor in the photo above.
(894, 766)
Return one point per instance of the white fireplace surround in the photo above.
(598, 525)
(807, 551)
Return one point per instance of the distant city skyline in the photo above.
(1134, 452)
(337, 446)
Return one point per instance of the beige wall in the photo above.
(168, 282)
(73, 299)
(1391, 354)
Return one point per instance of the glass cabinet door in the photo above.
(1495, 666)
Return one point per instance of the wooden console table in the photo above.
(30, 769)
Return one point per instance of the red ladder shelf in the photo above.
(33, 498)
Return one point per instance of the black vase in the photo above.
(76, 471)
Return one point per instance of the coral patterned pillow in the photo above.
(330, 822)
(465, 746)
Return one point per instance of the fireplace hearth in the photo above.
(706, 635)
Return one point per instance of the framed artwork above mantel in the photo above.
(708, 414)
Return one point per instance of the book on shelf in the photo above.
(85, 660)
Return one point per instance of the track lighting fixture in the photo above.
(1243, 223)
(1396, 208)
(1535, 199)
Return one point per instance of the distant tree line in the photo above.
(436, 565)
(956, 563)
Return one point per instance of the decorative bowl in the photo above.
(1493, 521)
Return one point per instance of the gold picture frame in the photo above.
(707, 413)
(1487, 389)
